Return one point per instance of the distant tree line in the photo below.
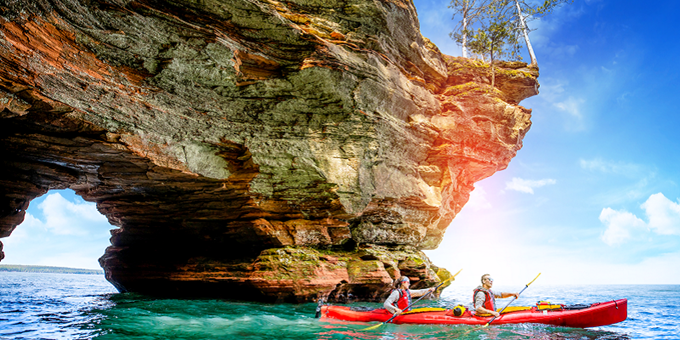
(47, 269)
(496, 29)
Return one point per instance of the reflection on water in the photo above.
(66, 306)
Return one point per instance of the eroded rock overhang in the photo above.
(277, 150)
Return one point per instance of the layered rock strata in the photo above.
(251, 148)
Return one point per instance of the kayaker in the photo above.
(484, 298)
(401, 295)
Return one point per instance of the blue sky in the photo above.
(593, 196)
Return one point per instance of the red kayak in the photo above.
(582, 316)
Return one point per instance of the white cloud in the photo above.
(63, 217)
(60, 232)
(572, 106)
(478, 200)
(618, 168)
(526, 185)
(596, 164)
(663, 214)
(621, 225)
(23, 231)
(552, 89)
(560, 49)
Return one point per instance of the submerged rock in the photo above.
(251, 149)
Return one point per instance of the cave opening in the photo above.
(59, 229)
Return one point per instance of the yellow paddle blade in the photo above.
(425, 309)
(450, 278)
(373, 327)
(532, 281)
(476, 329)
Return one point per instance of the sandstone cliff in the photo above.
(276, 150)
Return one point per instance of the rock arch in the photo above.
(251, 149)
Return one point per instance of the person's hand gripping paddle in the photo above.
(412, 303)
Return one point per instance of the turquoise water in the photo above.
(70, 306)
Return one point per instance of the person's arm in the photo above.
(389, 303)
(420, 292)
(504, 295)
(479, 302)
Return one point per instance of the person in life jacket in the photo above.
(484, 299)
(400, 298)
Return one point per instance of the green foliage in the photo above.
(495, 28)
(496, 38)
(491, 41)
(471, 12)
(493, 33)
(547, 7)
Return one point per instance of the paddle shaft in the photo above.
(513, 299)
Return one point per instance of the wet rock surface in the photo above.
(262, 150)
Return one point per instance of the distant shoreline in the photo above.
(48, 269)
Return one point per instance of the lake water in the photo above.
(71, 306)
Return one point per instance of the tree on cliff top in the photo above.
(470, 12)
(514, 14)
(495, 38)
(525, 12)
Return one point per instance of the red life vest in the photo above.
(404, 299)
(489, 301)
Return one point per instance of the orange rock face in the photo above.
(251, 149)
